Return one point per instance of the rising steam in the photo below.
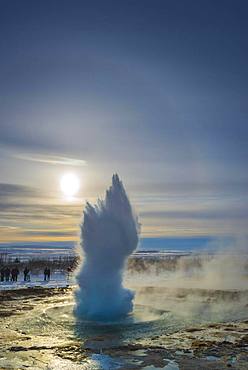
(109, 234)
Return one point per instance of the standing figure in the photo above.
(2, 272)
(45, 274)
(7, 274)
(13, 273)
(26, 273)
(48, 273)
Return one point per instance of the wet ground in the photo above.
(185, 330)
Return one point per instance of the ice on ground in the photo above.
(172, 365)
(63, 364)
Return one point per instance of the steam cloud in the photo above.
(201, 286)
(109, 234)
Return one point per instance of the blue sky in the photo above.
(154, 90)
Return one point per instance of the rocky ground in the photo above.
(210, 346)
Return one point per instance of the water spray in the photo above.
(109, 234)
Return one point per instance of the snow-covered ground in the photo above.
(58, 279)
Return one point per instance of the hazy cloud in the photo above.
(30, 214)
(50, 159)
(15, 190)
(207, 214)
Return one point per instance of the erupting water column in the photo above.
(109, 234)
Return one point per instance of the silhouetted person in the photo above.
(26, 274)
(7, 274)
(45, 274)
(14, 274)
(2, 273)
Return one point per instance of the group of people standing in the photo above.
(7, 274)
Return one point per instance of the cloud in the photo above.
(212, 214)
(50, 159)
(29, 209)
(12, 190)
(24, 211)
(52, 233)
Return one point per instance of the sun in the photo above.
(69, 184)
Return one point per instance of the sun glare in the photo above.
(69, 184)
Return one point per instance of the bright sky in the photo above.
(154, 90)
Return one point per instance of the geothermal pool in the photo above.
(39, 330)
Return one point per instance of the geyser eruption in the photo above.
(109, 234)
